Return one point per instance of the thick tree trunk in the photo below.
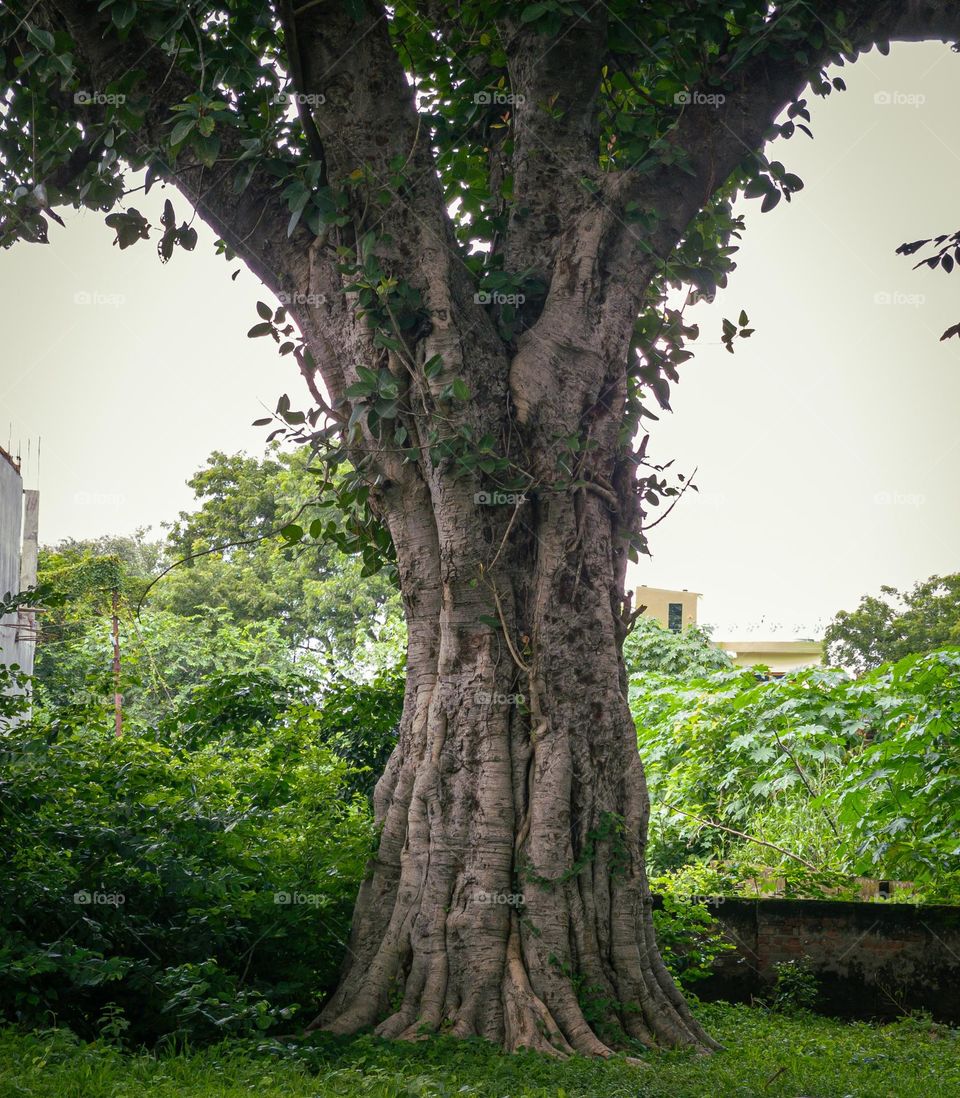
(508, 898)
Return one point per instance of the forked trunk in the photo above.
(508, 898)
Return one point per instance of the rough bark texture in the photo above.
(508, 897)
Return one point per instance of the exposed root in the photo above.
(527, 1021)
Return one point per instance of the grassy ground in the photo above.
(767, 1055)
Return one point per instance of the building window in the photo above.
(675, 616)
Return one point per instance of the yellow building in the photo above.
(779, 656)
(674, 610)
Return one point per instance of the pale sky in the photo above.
(827, 446)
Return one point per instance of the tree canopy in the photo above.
(235, 557)
(896, 625)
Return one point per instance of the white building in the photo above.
(18, 562)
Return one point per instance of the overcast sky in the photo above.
(827, 446)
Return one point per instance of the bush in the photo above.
(689, 937)
(853, 776)
(200, 877)
(796, 987)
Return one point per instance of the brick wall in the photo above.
(871, 959)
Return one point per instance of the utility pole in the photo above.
(117, 696)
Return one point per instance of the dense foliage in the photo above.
(843, 776)
(223, 592)
(687, 653)
(316, 594)
(200, 876)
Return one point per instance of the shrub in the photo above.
(796, 987)
(689, 937)
(200, 877)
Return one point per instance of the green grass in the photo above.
(766, 1055)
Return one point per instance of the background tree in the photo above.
(650, 647)
(900, 624)
(316, 595)
(223, 592)
(471, 214)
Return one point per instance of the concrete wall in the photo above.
(11, 524)
(871, 959)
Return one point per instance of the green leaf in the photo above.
(259, 330)
(383, 340)
(460, 389)
(42, 38)
(207, 149)
(532, 12)
(182, 130)
(123, 14)
(264, 310)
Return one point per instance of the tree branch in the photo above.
(289, 24)
(743, 835)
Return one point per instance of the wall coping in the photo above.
(877, 909)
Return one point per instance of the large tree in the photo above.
(472, 212)
(901, 623)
